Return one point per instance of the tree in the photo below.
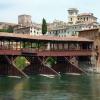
(44, 26)
(10, 29)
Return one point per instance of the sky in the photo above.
(48, 9)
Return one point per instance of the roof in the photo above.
(86, 14)
(28, 27)
(43, 37)
(73, 9)
(24, 15)
(8, 23)
(93, 29)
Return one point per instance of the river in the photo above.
(66, 87)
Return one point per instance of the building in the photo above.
(5, 25)
(24, 20)
(75, 18)
(76, 22)
(93, 34)
(32, 30)
(71, 30)
(25, 26)
(56, 24)
(72, 15)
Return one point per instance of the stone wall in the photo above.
(93, 34)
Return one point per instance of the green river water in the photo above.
(67, 87)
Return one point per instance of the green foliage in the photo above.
(9, 30)
(34, 45)
(51, 60)
(21, 62)
(3, 30)
(42, 45)
(44, 26)
(26, 45)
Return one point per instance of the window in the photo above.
(87, 18)
(84, 19)
(64, 30)
(71, 19)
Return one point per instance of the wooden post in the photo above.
(68, 46)
(53, 46)
(50, 46)
(63, 47)
(20, 45)
(57, 46)
(38, 45)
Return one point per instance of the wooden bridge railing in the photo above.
(65, 53)
(28, 50)
(41, 52)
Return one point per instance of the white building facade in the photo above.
(31, 30)
(25, 26)
(74, 17)
(76, 22)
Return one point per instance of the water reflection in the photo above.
(42, 88)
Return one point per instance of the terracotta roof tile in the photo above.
(44, 37)
(86, 14)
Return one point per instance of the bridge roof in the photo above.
(14, 36)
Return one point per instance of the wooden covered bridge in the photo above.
(37, 49)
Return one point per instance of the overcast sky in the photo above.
(49, 9)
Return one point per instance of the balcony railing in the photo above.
(29, 50)
(44, 52)
(65, 53)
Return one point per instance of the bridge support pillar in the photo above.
(8, 68)
(37, 66)
(64, 65)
